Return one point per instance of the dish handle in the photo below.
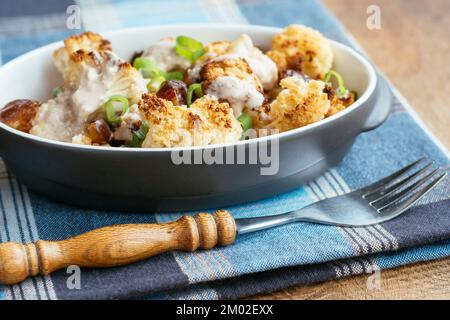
(382, 106)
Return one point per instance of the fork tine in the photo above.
(383, 193)
(374, 187)
(401, 207)
(380, 205)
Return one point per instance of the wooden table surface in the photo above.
(413, 49)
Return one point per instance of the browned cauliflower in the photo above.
(303, 49)
(299, 103)
(214, 49)
(207, 121)
(338, 103)
(235, 67)
(232, 80)
(86, 41)
(92, 74)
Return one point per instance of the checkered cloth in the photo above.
(260, 262)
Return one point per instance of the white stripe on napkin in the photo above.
(20, 226)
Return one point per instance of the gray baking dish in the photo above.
(146, 180)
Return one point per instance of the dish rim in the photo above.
(372, 82)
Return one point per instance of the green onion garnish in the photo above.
(189, 48)
(56, 91)
(147, 67)
(139, 135)
(150, 70)
(155, 83)
(195, 87)
(115, 107)
(144, 63)
(339, 78)
(174, 75)
(246, 121)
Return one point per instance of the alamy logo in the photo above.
(74, 19)
(374, 280)
(264, 153)
(74, 280)
(374, 19)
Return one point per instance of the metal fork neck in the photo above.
(248, 225)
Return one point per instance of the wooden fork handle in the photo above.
(115, 245)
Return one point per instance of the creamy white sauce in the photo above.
(66, 116)
(88, 96)
(164, 55)
(262, 66)
(238, 93)
(227, 57)
(53, 120)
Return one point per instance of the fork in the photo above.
(123, 244)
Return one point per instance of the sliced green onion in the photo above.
(150, 73)
(147, 66)
(115, 107)
(155, 83)
(174, 75)
(139, 135)
(150, 70)
(339, 78)
(144, 63)
(56, 91)
(246, 121)
(193, 88)
(189, 48)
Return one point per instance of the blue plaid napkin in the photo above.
(261, 262)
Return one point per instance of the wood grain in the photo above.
(115, 245)
(413, 50)
(427, 280)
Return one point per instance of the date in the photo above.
(19, 114)
(99, 132)
(173, 90)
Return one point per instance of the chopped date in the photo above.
(173, 90)
(19, 114)
(99, 132)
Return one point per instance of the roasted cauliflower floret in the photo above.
(240, 94)
(220, 117)
(96, 76)
(232, 80)
(212, 50)
(90, 79)
(87, 41)
(215, 49)
(338, 103)
(302, 49)
(299, 103)
(207, 121)
(235, 67)
(88, 57)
